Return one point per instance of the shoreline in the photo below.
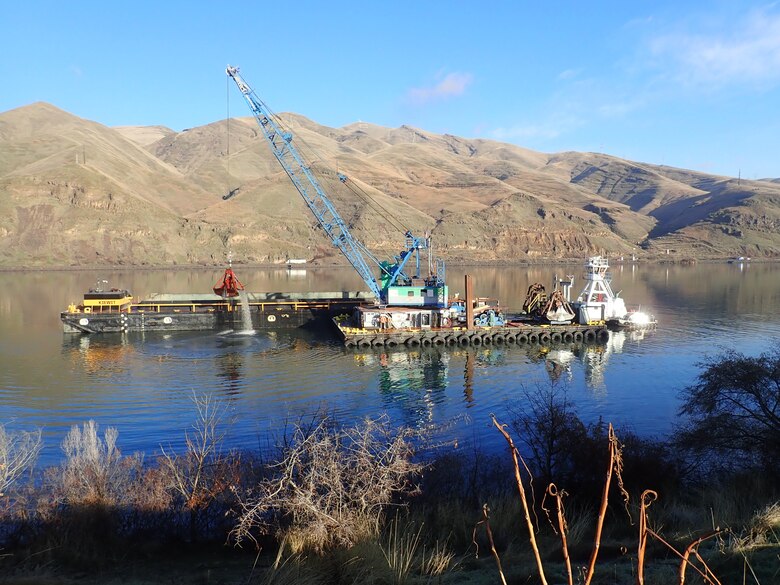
(318, 265)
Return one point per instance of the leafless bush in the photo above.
(94, 471)
(331, 486)
(200, 474)
(18, 452)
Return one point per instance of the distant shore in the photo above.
(319, 265)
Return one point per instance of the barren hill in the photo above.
(75, 192)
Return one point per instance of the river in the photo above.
(143, 383)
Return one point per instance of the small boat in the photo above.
(633, 320)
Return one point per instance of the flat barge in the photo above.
(115, 311)
(511, 333)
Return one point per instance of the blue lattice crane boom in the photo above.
(281, 143)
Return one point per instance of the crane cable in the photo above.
(369, 200)
(374, 204)
(309, 154)
(227, 102)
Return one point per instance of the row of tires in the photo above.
(480, 338)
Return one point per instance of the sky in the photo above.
(682, 83)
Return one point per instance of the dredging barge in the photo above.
(362, 322)
(192, 312)
(115, 311)
(229, 307)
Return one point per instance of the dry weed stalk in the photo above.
(516, 458)
(486, 521)
(707, 574)
(553, 491)
(693, 548)
(647, 498)
(615, 466)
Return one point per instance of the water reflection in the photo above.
(411, 380)
(230, 367)
(560, 359)
(98, 357)
(142, 383)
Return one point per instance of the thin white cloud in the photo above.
(569, 74)
(746, 51)
(76, 71)
(529, 132)
(557, 123)
(453, 84)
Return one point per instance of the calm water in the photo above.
(143, 383)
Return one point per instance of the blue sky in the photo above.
(686, 84)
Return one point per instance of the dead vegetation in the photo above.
(331, 487)
(18, 452)
(355, 504)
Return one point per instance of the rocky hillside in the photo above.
(74, 193)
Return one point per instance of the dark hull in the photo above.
(179, 313)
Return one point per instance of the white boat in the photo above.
(634, 320)
(597, 302)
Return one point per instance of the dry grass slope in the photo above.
(74, 192)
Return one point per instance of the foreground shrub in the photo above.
(94, 471)
(733, 412)
(18, 452)
(202, 473)
(332, 486)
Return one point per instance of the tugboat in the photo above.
(597, 302)
(98, 299)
